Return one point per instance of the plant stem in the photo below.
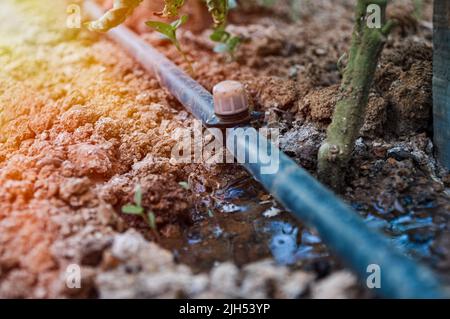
(367, 44)
(152, 226)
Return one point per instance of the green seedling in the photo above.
(226, 42)
(217, 8)
(169, 31)
(152, 220)
(138, 210)
(184, 185)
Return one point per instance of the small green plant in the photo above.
(169, 31)
(138, 210)
(226, 43)
(184, 185)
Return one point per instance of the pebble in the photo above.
(399, 153)
(272, 212)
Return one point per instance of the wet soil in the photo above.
(289, 66)
(82, 125)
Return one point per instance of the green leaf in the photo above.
(169, 29)
(227, 43)
(151, 220)
(132, 210)
(138, 196)
(179, 22)
(164, 28)
(228, 46)
(219, 35)
(232, 43)
(185, 185)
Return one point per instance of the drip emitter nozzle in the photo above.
(231, 103)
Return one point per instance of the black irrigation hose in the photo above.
(341, 228)
(441, 78)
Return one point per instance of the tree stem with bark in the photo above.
(367, 44)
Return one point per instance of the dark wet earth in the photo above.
(244, 224)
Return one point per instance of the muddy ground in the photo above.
(81, 125)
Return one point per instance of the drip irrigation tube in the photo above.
(441, 78)
(341, 228)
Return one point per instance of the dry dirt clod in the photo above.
(336, 286)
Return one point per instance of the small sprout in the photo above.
(138, 196)
(132, 210)
(219, 35)
(137, 209)
(185, 185)
(228, 47)
(219, 11)
(169, 30)
(152, 220)
(226, 42)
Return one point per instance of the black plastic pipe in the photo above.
(341, 228)
(441, 80)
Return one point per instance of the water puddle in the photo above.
(244, 224)
(287, 249)
(411, 226)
